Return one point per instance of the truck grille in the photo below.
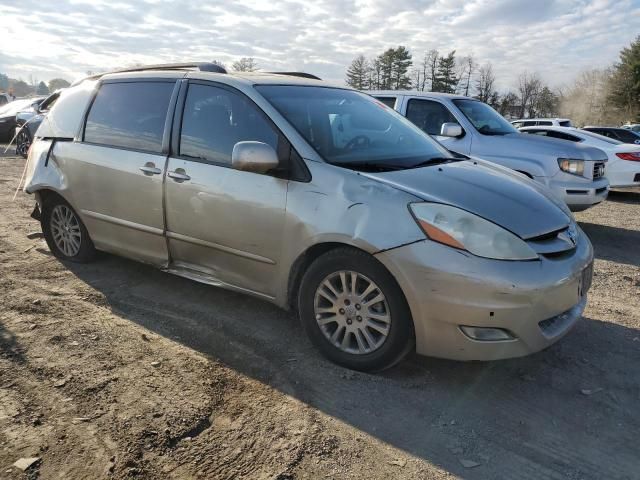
(598, 170)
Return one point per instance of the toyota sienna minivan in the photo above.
(317, 198)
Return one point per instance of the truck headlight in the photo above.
(460, 229)
(571, 165)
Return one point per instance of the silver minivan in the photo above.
(575, 173)
(316, 198)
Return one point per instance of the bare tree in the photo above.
(466, 69)
(245, 64)
(529, 87)
(485, 83)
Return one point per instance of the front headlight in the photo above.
(571, 165)
(460, 229)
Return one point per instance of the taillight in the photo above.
(634, 156)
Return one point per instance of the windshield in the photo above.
(484, 118)
(353, 130)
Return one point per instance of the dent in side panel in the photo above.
(342, 206)
(65, 117)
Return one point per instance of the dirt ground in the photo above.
(117, 370)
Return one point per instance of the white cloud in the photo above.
(557, 38)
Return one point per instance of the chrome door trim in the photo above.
(233, 251)
(123, 223)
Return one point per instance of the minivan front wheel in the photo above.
(65, 233)
(354, 311)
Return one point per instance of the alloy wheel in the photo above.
(65, 229)
(352, 312)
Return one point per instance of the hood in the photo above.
(543, 147)
(504, 198)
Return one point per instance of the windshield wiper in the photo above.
(436, 161)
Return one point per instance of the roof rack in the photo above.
(202, 66)
(297, 74)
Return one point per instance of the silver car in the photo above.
(575, 173)
(316, 198)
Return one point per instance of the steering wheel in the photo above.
(358, 141)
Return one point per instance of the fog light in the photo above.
(485, 334)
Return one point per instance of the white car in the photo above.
(623, 166)
(542, 122)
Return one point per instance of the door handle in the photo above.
(179, 175)
(150, 169)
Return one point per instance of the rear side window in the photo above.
(429, 115)
(388, 101)
(215, 119)
(566, 123)
(130, 115)
(545, 123)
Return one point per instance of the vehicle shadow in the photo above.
(568, 412)
(9, 347)
(615, 244)
(624, 196)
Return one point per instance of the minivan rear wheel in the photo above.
(66, 235)
(354, 311)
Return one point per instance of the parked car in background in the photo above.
(8, 115)
(5, 98)
(315, 198)
(532, 122)
(470, 127)
(632, 126)
(623, 135)
(28, 121)
(623, 167)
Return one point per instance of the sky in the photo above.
(555, 38)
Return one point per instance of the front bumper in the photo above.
(538, 302)
(578, 193)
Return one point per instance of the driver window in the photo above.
(215, 119)
(429, 115)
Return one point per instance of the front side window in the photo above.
(545, 123)
(429, 115)
(565, 123)
(215, 119)
(484, 118)
(130, 115)
(353, 130)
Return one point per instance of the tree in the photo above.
(358, 73)
(467, 67)
(20, 88)
(4, 82)
(625, 81)
(485, 83)
(588, 100)
(401, 63)
(529, 86)
(445, 79)
(245, 64)
(508, 105)
(57, 84)
(42, 89)
(547, 103)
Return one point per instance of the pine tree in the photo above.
(401, 63)
(625, 82)
(42, 89)
(446, 80)
(358, 73)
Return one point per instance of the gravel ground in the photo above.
(117, 370)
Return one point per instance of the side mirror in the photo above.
(451, 129)
(256, 157)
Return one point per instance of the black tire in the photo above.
(400, 339)
(86, 251)
(23, 142)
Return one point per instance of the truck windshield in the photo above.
(353, 130)
(484, 118)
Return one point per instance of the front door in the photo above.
(115, 172)
(223, 223)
